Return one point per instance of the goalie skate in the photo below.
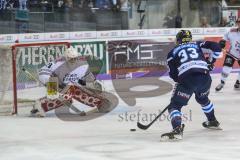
(37, 110)
(175, 135)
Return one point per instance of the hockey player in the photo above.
(70, 73)
(190, 70)
(233, 36)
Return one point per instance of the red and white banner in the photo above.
(116, 34)
(31, 37)
(8, 38)
(135, 33)
(82, 35)
(57, 36)
(109, 34)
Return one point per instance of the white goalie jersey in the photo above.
(67, 71)
(71, 69)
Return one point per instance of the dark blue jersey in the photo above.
(189, 58)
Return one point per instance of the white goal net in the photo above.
(17, 90)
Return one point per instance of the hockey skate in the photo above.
(220, 86)
(37, 110)
(237, 85)
(175, 135)
(212, 125)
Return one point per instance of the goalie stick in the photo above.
(66, 103)
(144, 127)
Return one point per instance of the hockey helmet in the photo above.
(183, 36)
(70, 53)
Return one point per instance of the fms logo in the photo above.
(145, 61)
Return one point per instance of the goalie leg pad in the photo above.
(88, 97)
(50, 104)
(85, 96)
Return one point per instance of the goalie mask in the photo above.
(70, 53)
(183, 36)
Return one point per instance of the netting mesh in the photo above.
(5, 77)
(31, 57)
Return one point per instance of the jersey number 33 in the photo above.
(188, 54)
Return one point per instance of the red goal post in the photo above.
(16, 88)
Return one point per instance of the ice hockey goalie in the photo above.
(68, 78)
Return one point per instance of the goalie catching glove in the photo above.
(210, 66)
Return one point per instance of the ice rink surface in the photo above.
(109, 137)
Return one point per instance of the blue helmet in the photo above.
(183, 36)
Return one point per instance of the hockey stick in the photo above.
(68, 104)
(144, 127)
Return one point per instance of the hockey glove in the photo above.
(82, 82)
(210, 65)
(222, 43)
